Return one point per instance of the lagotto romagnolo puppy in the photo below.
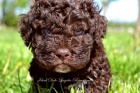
(65, 37)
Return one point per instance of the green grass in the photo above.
(13, 55)
(124, 60)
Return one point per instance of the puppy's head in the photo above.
(62, 33)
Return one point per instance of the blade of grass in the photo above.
(38, 88)
(19, 82)
(51, 87)
(61, 88)
(7, 62)
(55, 90)
(83, 90)
(16, 68)
(72, 90)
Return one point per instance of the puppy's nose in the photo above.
(63, 53)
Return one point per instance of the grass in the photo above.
(124, 60)
(13, 55)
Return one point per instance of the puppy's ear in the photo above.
(102, 26)
(25, 28)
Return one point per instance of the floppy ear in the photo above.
(102, 26)
(25, 28)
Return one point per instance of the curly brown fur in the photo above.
(66, 40)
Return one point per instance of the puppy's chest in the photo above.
(63, 86)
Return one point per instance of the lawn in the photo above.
(15, 59)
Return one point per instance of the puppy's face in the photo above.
(63, 49)
(62, 33)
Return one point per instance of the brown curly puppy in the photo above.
(66, 40)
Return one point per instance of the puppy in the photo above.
(65, 37)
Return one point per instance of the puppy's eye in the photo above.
(79, 32)
(46, 31)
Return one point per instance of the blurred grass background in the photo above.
(15, 59)
(13, 56)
